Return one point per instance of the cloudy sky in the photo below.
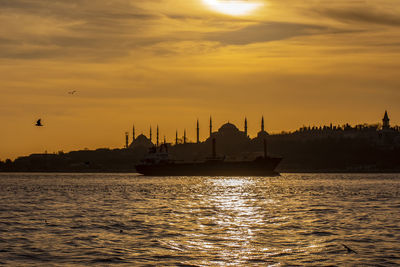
(169, 62)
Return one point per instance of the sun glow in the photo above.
(233, 7)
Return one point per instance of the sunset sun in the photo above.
(233, 7)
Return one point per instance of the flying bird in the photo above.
(349, 250)
(39, 123)
(72, 92)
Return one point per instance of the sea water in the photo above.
(130, 220)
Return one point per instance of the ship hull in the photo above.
(259, 167)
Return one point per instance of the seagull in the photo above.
(72, 92)
(39, 123)
(349, 250)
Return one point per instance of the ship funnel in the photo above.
(265, 148)
(214, 148)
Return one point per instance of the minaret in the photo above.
(262, 124)
(210, 126)
(198, 131)
(158, 136)
(176, 137)
(245, 126)
(133, 133)
(151, 137)
(385, 121)
(184, 136)
(126, 140)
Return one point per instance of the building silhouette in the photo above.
(385, 121)
(325, 148)
(232, 141)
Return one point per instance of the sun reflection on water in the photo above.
(235, 220)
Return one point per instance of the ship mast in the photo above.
(265, 148)
(214, 149)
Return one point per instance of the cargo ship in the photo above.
(158, 163)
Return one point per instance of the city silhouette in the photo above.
(328, 148)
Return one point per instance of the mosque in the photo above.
(234, 142)
(229, 138)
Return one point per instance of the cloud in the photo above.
(74, 28)
(362, 15)
(82, 30)
(266, 32)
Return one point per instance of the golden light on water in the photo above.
(233, 7)
(237, 215)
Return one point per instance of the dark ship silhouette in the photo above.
(158, 163)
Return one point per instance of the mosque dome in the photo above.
(141, 140)
(228, 128)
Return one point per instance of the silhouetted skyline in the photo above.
(312, 130)
(329, 148)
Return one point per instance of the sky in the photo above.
(171, 62)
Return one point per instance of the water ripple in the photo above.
(124, 219)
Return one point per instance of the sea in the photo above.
(55, 219)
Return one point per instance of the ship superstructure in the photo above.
(158, 163)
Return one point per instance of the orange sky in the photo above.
(169, 62)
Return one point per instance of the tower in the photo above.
(133, 133)
(151, 137)
(262, 124)
(245, 126)
(176, 137)
(385, 121)
(184, 136)
(210, 126)
(198, 131)
(126, 140)
(158, 136)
